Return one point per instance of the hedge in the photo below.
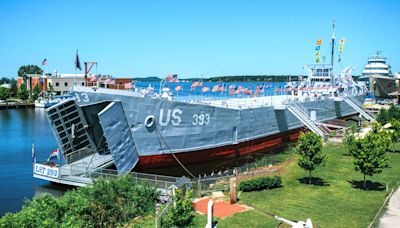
(260, 183)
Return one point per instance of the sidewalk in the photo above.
(391, 217)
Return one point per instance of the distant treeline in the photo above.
(239, 78)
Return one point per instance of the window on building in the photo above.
(57, 84)
(65, 83)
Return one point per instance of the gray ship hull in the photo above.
(191, 131)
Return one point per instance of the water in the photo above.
(18, 130)
(270, 88)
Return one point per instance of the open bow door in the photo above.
(118, 136)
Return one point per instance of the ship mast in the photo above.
(332, 51)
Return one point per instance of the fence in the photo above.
(206, 185)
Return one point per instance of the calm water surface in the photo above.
(18, 130)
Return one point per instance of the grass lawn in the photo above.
(336, 199)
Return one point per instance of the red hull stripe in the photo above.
(229, 151)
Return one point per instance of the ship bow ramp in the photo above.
(94, 136)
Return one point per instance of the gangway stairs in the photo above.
(359, 108)
(302, 115)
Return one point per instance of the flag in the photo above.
(33, 153)
(77, 63)
(319, 42)
(232, 91)
(129, 85)
(215, 88)
(178, 88)
(110, 81)
(222, 88)
(317, 54)
(197, 84)
(342, 41)
(44, 62)
(317, 48)
(94, 78)
(171, 78)
(205, 89)
(54, 153)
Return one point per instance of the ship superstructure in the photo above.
(378, 76)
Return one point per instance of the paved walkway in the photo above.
(391, 217)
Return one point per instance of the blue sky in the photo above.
(193, 38)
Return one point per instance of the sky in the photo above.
(194, 38)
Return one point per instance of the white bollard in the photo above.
(210, 214)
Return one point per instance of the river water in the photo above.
(18, 130)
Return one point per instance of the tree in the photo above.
(349, 140)
(180, 214)
(14, 87)
(395, 132)
(23, 93)
(5, 93)
(29, 69)
(385, 116)
(310, 150)
(382, 117)
(50, 89)
(36, 92)
(370, 153)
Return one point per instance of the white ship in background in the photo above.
(378, 76)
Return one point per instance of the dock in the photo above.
(15, 105)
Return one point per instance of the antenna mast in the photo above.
(333, 48)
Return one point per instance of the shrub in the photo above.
(104, 204)
(182, 213)
(260, 183)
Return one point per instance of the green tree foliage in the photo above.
(4, 80)
(36, 92)
(385, 116)
(50, 89)
(29, 69)
(23, 93)
(109, 203)
(5, 93)
(349, 140)
(180, 214)
(370, 152)
(14, 87)
(395, 132)
(310, 150)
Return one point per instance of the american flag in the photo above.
(44, 62)
(215, 88)
(93, 78)
(172, 78)
(197, 84)
(129, 85)
(205, 89)
(246, 91)
(178, 88)
(110, 81)
(222, 88)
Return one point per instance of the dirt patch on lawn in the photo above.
(221, 209)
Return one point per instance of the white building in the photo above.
(62, 83)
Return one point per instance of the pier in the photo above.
(15, 105)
